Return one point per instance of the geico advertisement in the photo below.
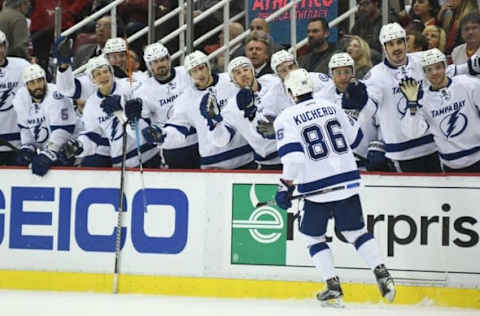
(68, 221)
(418, 228)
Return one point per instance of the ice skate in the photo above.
(385, 282)
(332, 296)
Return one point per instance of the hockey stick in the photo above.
(301, 196)
(118, 237)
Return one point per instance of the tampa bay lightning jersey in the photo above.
(101, 127)
(452, 116)
(314, 142)
(187, 119)
(10, 81)
(47, 124)
(234, 121)
(159, 99)
(277, 98)
(383, 88)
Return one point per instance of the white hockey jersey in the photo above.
(10, 81)
(277, 99)
(100, 126)
(314, 140)
(383, 88)
(187, 120)
(159, 100)
(452, 115)
(46, 125)
(265, 150)
(365, 119)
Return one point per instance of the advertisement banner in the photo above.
(306, 10)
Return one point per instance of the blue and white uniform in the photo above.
(452, 116)
(187, 120)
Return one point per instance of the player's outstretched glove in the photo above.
(355, 96)
(412, 91)
(42, 162)
(111, 104)
(246, 103)
(474, 65)
(133, 109)
(25, 155)
(62, 50)
(284, 194)
(210, 110)
(69, 150)
(376, 160)
(265, 126)
(153, 135)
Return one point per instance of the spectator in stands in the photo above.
(423, 10)
(317, 60)
(235, 50)
(43, 23)
(259, 24)
(369, 23)
(470, 31)
(13, 23)
(449, 18)
(416, 42)
(359, 50)
(102, 33)
(256, 49)
(436, 37)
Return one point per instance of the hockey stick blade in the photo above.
(301, 196)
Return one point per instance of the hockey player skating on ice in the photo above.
(449, 109)
(46, 119)
(314, 138)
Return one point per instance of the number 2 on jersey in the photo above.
(317, 146)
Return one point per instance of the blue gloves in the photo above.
(69, 150)
(246, 103)
(474, 65)
(153, 135)
(62, 50)
(210, 110)
(25, 156)
(376, 160)
(283, 197)
(111, 104)
(42, 162)
(133, 109)
(265, 127)
(355, 96)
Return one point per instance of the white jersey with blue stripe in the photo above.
(234, 121)
(48, 123)
(10, 81)
(277, 99)
(187, 120)
(313, 139)
(366, 121)
(106, 130)
(452, 115)
(160, 99)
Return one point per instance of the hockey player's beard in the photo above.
(38, 94)
(162, 73)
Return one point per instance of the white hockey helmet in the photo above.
(390, 32)
(153, 52)
(194, 59)
(97, 62)
(33, 72)
(341, 60)
(298, 82)
(433, 56)
(3, 39)
(279, 58)
(115, 45)
(237, 62)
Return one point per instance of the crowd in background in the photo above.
(452, 26)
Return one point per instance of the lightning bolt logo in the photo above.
(451, 123)
(39, 136)
(115, 124)
(3, 99)
(454, 124)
